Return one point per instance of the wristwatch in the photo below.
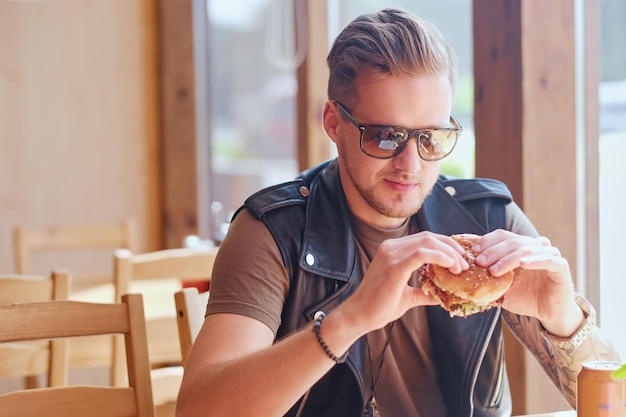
(577, 339)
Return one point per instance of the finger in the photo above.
(503, 238)
(426, 248)
(548, 259)
(546, 262)
(513, 259)
(508, 244)
(417, 257)
(491, 239)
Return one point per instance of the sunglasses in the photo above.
(385, 142)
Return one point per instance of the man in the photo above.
(315, 307)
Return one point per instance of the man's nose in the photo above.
(409, 159)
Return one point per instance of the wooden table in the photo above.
(569, 413)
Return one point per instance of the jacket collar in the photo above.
(442, 213)
(330, 226)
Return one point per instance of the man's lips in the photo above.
(401, 185)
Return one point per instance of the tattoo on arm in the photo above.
(561, 365)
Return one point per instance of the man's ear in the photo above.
(330, 120)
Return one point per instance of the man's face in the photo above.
(384, 192)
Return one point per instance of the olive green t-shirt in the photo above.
(249, 278)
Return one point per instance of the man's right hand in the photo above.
(384, 294)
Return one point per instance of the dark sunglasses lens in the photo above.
(382, 142)
(436, 144)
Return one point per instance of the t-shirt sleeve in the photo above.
(249, 277)
(517, 222)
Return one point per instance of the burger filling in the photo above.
(454, 304)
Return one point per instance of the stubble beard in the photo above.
(395, 207)
(387, 208)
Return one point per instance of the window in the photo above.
(612, 97)
(253, 92)
(253, 104)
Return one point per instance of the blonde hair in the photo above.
(389, 42)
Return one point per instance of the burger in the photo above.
(472, 291)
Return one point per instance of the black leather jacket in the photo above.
(310, 222)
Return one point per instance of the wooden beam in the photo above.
(498, 110)
(549, 122)
(498, 92)
(313, 144)
(526, 114)
(179, 145)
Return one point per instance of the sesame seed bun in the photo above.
(472, 291)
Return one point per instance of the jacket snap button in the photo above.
(304, 191)
(451, 190)
(310, 259)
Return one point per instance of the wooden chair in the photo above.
(190, 308)
(86, 250)
(71, 319)
(34, 358)
(64, 240)
(161, 274)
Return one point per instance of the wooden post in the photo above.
(313, 144)
(179, 140)
(526, 107)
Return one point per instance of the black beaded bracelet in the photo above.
(319, 316)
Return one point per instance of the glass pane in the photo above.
(454, 20)
(613, 170)
(253, 102)
(253, 95)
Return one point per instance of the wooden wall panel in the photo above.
(79, 116)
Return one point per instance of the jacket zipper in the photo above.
(478, 362)
(497, 392)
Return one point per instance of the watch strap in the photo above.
(581, 334)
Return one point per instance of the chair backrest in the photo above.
(192, 264)
(158, 275)
(190, 306)
(70, 319)
(35, 358)
(65, 239)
